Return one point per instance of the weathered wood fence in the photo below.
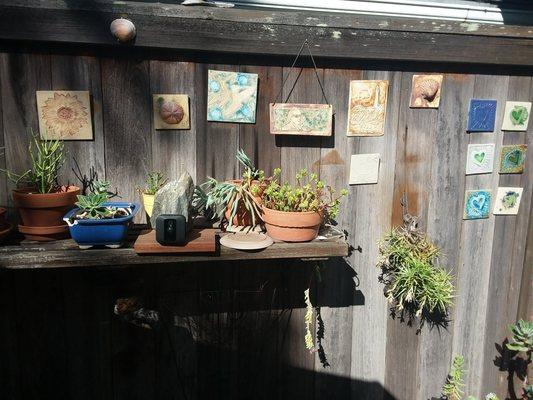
(236, 331)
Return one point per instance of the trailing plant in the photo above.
(308, 194)
(235, 194)
(155, 180)
(199, 204)
(92, 205)
(453, 388)
(415, 285)
(520, 348)
(90, 183)
(47, 158)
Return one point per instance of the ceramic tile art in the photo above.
(171, 111)
(516, 116)
(364, 169)
(231, 96)
(513, 159)
(508, 200)
(425, 91)
(480, 158)
(481, 115)
(367, 108)
(301, 119)
(64, 115)
(477, 204)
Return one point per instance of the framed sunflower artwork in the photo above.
(64, 115)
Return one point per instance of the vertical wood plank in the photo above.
(173, 151)
(417, 133)
(127, 107)
(445, 213)
(82, 73)
(476, 251)
(508, 253)
(3, 178)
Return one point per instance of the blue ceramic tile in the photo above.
(481, 115)
(477, 204)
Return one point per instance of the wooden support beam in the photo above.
(241, 31)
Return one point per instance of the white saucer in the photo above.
(246, 241)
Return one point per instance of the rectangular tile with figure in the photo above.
(171, 111)
(516, 116)
(513, 158)
(481, 115)
(477, 204)
(508, 200)
(480, 159)
(64, 114)
(367, 108)
(301, 119)
(231, 96)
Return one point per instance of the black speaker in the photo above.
(171, 229)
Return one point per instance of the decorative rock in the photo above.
(123, 30)
(175, 198)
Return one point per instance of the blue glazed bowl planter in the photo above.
(110, 232)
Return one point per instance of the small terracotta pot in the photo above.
(292, 226)
(44, 211)
(148, 203)
(243, 217)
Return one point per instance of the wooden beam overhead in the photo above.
(280, 33)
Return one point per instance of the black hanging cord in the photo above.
(304, 44)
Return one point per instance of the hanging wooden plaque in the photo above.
(301, 119)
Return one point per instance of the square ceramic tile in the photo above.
(508, 200)
(477, 204)
(231, 96)
(480, 159)
(481, 115)
(513, 159)
(65, 115)
(364, 169)
(171, 111)
(516, 116)
(425, 91)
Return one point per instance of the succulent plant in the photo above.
(522, 339)
(155, 180)
(453, 388)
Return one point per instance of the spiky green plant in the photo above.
(522, 339)
(154, 181)
(251, 171)
(47, 158)
(453, 388)
(414, 282)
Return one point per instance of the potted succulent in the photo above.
(238, 201)
(154, 181)
(40, 200)
(295, 213)
(99, 222)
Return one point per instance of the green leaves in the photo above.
(518, 115)
(522, 339)
(93, 205)
(453, 388)
(154, 181)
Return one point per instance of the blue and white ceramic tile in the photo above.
(477, 204)
(481, 115)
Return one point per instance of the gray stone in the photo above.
(175, 198)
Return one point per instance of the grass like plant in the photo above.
(47, 158)
(414, 283)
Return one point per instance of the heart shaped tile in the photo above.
(479, 157)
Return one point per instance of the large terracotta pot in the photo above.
(243, 217)
(292, 226)
(41, 215)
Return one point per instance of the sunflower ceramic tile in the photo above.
(64, 115)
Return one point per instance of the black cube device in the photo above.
(171, 229)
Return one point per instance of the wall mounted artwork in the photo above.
(364, 169)
(425, 91)
(64, 115)
(480, 159)
(513, 159)
(507, 201)
(516, 116)
(301, 119)
(367, 108)
(477, 204)
(171, 111)
(231, 96)
(481, 115)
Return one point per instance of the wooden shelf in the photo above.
(66, 254)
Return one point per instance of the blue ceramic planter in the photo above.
(101, 232)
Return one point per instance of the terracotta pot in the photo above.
(2, 217)
(44, 211)
(292, 226)
(148, 203)
(243, 217)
